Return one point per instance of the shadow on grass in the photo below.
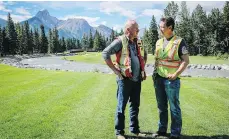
(205, 137)
(149, 136)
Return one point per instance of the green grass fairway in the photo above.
(68, 105)
(94, 57)
(89, 57)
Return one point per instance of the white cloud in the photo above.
(91, 20)
(74, 4)
(16, 18)
(150, 12)
(3, 8)
(139, 5)
(59, 5)
(207, 5)
(3, 17)
(115, 7)
(66, 4)
(104, 22)
(22, 11)
(19, 18)
(11, 2)
(117, 27)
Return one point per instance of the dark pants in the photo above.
(168, 90)
(127, 90)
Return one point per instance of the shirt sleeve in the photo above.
(113, 48)
(183, 48)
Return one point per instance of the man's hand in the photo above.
(183, 65)
(143, 75)
(117, 72)
(172, 76)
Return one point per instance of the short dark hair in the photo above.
(169, 21)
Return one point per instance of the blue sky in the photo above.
(109, 13)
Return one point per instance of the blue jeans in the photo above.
(127, 90)
(168, 90)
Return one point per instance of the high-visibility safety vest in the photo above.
(123, 59)
(142, 50)
(167, 60)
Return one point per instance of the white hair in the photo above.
(129, 23)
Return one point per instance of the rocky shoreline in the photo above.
(54, 62)
(204, 66)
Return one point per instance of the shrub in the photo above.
(219, 55)
(224, 56)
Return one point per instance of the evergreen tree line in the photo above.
(18, 38)
(204, 34)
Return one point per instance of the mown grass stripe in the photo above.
(82, 105)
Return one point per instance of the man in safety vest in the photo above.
(171, 59)
(129, 68)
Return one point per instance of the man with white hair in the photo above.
(129, 68)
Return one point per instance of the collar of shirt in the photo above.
(129, 41)
(169, 38)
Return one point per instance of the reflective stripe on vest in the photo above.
(166, 63)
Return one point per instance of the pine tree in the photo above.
(1, 42)
(69, 44)
(183, 28)
(78, 45)
(31, 43)
(107, 41)
(184, 21)
(28, 45)
(19, 38)
(11, 35)
(5, 42)
(74, 43)
(216, 23)
(85, 42)
(24, 42)
(50, 41)
(153, 35)
(63, 45)
(90, 40)
(225, 42)
(116, 34)
(171, 10)
(121, 32)
(97, 41)
(36, 41)
(145, 41)
(43, 40)
(103, 42)
(56, 40)
(112, 36)
(199, 21)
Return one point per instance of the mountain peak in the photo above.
(76, 19)
(47, 19)
(102, 26)
(104, 30)
(79, 21)
(44, 10)
(72, 27)
(42, 13)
